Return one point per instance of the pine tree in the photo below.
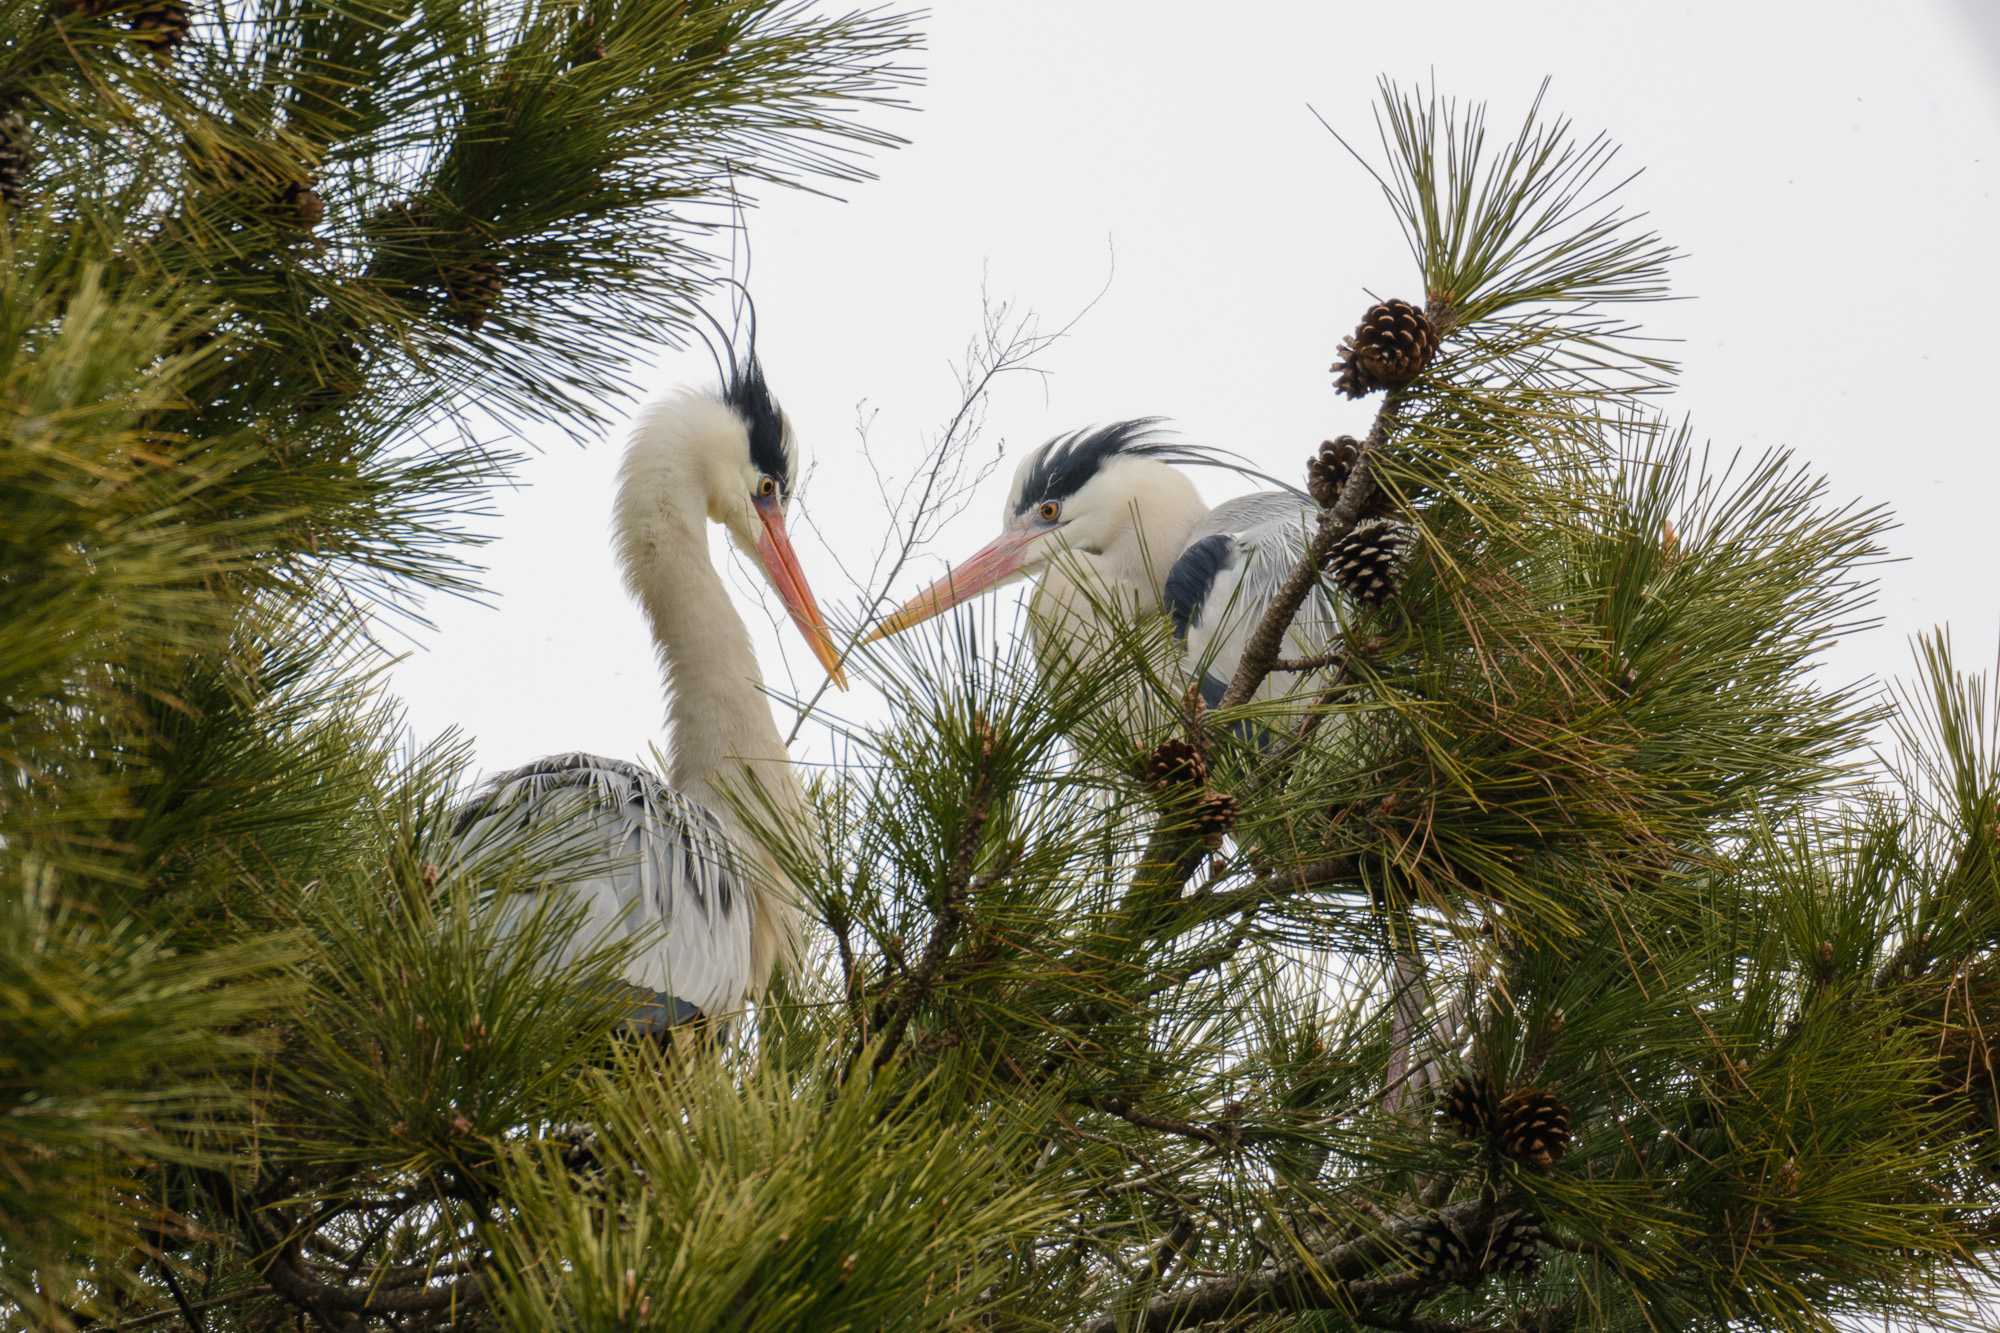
(270, 273)
(1558, 964)
(1566, 964)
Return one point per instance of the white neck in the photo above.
(721, 731)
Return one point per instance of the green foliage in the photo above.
(769, 1200)
(264, 284)
(119, 1052)
(1574, 817)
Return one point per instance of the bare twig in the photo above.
(188, 1315)
(1333, 659)
(1171, 1249)
(276, 1255)
(942, 484)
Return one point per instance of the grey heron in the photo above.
(676, 862)
(1108, 511)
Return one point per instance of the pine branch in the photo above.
(1298, 664)
(1335, 1279)
(893, 1019)
(183, 1311)
(275, 1252)
(188, 1315)
(1260, 650)
(1125, 1111)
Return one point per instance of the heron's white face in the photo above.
(748, 492)
(1105, 519)
(740, 492)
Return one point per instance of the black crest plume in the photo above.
(1063, 466)
(745, 389)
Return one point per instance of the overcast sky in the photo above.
(1829, 169)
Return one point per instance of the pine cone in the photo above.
(1393, 343)
(1441, 1252)
(1214, 814)
(1368, 563)
(1533, 1126)
(301, 201)
(17, 154)
(471, 290)
(401, 221)
(1468, 1104)
(160, 24)
(1330, 468)
(1514, 1245)
(1175, 763)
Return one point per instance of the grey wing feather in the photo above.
(656, 864)
(1243, 513)
(1218, 590)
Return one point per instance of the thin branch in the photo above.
(194, 1321)
(211, 1303)
(1402, 1082)
(1333, 659)
(1260, 652)
(939, 480)
(1132, 1115)
(1333, 1279)
(894, 1021)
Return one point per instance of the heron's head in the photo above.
(1107, 493)
(746, 469)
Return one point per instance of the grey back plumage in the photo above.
(659, 865)
(1226, 576)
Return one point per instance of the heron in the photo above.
(678, 864)
(1108, 523)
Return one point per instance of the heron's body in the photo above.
(662, 867)
(671, 859)
(1226, 578)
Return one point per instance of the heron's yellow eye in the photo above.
(766, 488)
(1050, 510)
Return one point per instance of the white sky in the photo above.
(1829, 168)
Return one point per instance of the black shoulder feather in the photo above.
(1191, 577)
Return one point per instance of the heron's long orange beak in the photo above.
(774, 548)
(1000, 561)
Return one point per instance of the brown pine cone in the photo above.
(1175, 763)
(302, 202)
(471, 291)
(1468, 1105)
(1514, 1245)
(1370, 561)
(1533, 1126)
(1214, 814)
(1391, 346)
(1440, 1252)
(17, 154)
(160, 24)
(1330, 468)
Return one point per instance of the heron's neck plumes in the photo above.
(722, 736)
